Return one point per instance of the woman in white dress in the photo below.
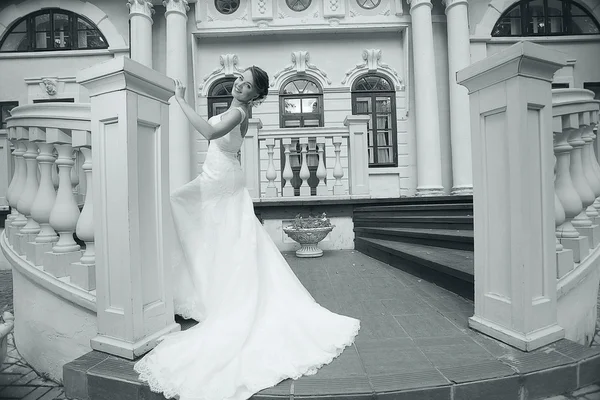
(258, 325)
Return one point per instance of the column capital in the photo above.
(176, 6)
(451, 3)
(142, 8)
(416, 3)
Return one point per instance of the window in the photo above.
(219, 97)
(5, 108)
(374, 95)
(594, 87)
(301, 104)
(298, 5)
(368, 4)
(546, 18)
(560, 86)
(227, 6)
(53, 29)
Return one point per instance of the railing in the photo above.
(536, 199)
(307, 162)
(48, 190)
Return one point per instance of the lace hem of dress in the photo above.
(188, 310)
(154, 375)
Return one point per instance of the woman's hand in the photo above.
(179, 90)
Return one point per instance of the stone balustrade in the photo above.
(307, 162)
(45, 191)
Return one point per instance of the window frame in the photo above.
(302, 116)
(566, 18)
(211, 99)
(31, 31)
(594, 87)
(373, 115)
(3, 104)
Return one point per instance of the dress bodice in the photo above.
(232, 141)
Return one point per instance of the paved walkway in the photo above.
(19, 381)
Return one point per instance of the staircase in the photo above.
(431, 238)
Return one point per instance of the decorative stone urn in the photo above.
(7, 323)
(308, 232)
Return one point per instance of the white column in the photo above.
(140, 16)
(130, 156)
(287, 174)
(429, 155)
(177, 68)
(513, 163)
(358, 165)
(459, 57)
(250, 158)
(271, 190)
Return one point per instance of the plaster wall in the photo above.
(49, 331)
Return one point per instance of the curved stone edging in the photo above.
(68, 292)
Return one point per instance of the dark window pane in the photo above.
(363, 105)
(83, 24)
(42, 40)
(15, 42)
(21, 28)
(594, 87)
(42, 22)
(583, 26)
(5, 112)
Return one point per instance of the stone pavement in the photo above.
(19, 381)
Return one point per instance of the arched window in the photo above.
(219, 97)
(374, 95)
(546, 18)
(301, 106)
(301, 103)
(52, 29)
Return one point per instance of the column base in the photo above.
(129, 350)
(592, 232)
(564, 262)
(339, 190)
(21, 241)
(35, 252)
(430, 192)
(304, 190)
(288, 191)
(271, 192)
(526, 342)
(56, 264)
(12, 234)
(580, 247)
(463, 190)
(82, 275)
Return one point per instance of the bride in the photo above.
(257, 324)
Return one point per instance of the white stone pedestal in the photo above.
(579, 246)
(513, 163)
(56, 263)
(35, 252)
(130, 160)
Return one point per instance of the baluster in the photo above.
(83, 272)
(21, 169)
(582, 222)
(271, 190)
(595, 166)
(564, 257)
(14, 179)
(304, 171)
(287, 174)
(321, 170)
(566, 191)
(587, 157)
(43, 203)
(75, 171)
(31, 228)
(65, 213)
(55, 170)
(338, 171)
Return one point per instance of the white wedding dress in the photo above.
(257, 324)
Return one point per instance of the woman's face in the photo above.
(243, 87)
